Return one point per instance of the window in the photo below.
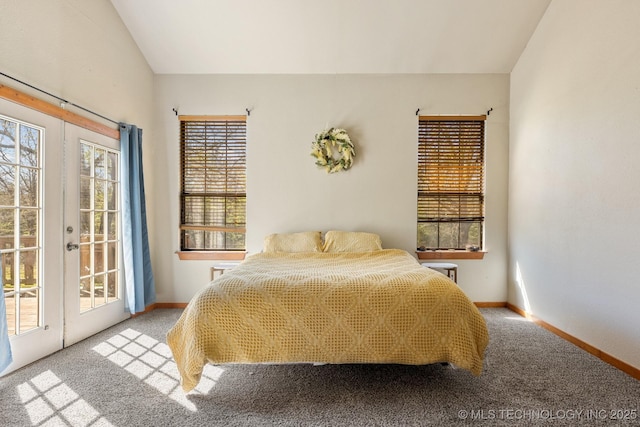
(213, 183)
(450, 181)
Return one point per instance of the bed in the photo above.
(328, 306)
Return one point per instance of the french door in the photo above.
(93, 269)
(59, 232)
(31, 197)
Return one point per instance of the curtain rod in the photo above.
(60, 99)
(488, 111)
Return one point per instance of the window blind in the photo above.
(213, 182)
(450, 181)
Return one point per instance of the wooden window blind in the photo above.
(213, 183)
(451, 181)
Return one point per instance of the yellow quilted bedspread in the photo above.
(373, 307)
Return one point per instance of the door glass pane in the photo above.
(29, 186)
(112, 291)
(6, 228)
(28, 269)
(111, 256)
(28, 228)
(85, 294)
(7, 271)
(99, 257)
(98, 286)
(111, 232)
(99, 194)
(7, 184)
(20, 222)
(10, 302)
(85, 259)
(111, 196)
(86, 184)
(98, 225)
(29, 309)
(99, 164)
(85, 224)
(8, 140)
(86, 159)
(29, 146)
(112, 166)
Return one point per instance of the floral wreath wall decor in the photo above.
(323, 150)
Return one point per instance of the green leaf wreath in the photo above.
(333, 150)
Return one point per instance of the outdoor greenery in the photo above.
(19, 202)
(449, 235)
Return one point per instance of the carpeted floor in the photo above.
(124, 376)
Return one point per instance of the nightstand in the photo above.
(222, 266)
(450, 268)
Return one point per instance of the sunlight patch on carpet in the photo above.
(50, 402)
(518, 318)
(151, 361)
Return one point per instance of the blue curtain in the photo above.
(5, 345)
(139, 283)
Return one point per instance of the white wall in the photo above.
(81, 51)
(287, 192)
(574, 204)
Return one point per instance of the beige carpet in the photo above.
(124, 376)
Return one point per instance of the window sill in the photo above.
(450, 254)
(211, 255)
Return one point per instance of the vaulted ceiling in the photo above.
(331, 36)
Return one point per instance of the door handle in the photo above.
(72, 246)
